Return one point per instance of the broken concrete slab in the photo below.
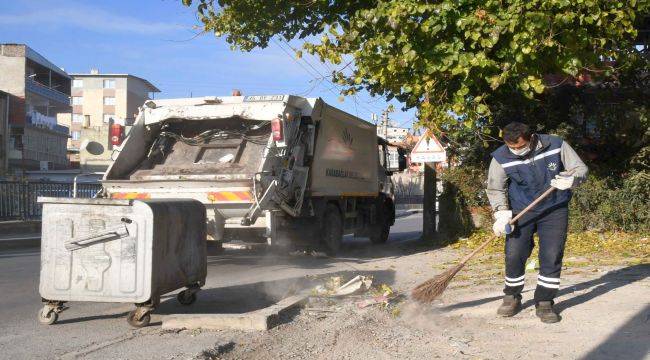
(263, 319)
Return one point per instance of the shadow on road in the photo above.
(604, 284)
(250, 297)
(93, 317)
(353, 251)
(631, 341)
(472, 303)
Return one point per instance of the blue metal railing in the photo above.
(42, 90)
(409, 199)
(18, 199)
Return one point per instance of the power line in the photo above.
(296, 61)
(322, 77)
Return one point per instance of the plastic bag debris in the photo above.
(358, 284)
(383, 296)
(333, 287)
(313, 253)
(226, 158)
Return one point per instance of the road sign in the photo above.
(428, 149)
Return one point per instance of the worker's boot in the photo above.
(510, 306)
(544, 310)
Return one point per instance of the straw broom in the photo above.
(432, 288)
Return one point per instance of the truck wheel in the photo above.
(379, 234)
(332, 230)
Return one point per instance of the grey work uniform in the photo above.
(513, 183)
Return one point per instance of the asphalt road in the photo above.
(238, 281)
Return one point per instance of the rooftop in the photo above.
(33, 55)
(151, 86)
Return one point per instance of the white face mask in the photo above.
(520, 152)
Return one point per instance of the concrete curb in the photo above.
(405, 213)
(19, 227)
(20, 242)
(263, 319)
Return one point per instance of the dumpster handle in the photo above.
(113, 233)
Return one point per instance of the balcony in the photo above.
(46, 92)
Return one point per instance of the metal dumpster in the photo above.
(133, 251)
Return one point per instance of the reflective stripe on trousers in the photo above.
(551, 227)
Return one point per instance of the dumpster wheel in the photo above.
(49, 313)
(47, 316)
(132, 319)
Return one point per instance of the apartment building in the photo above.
(37, 91)
(386, 129)
(98, 101)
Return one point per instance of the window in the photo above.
(109, 84)
(77, 100)
(109, 100)
(77, 83)
(108, 118)
(75, 135)
(77, 118)
(393, 159)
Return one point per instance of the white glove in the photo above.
(502, 218)
(563, 181)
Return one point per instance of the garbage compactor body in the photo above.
(106, 250)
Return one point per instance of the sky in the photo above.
(156, 40)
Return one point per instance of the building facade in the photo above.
(98, 101)
(4, 132)
(38, 90)
(387, 130)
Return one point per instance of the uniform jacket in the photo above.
(528, 176)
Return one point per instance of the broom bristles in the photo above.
(432, 288)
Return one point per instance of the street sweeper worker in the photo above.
(521, 170)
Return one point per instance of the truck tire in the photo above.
(379, 233)
(332, 230)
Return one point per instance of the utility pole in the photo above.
(385, 123)
(429, 203)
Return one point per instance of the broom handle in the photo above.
(536, 201)
(532, 205)
(512, 221)
(471, 255)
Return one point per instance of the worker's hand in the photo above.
(502, 218)
(563, 181)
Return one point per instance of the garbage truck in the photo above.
(280, 169)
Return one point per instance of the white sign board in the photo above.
(428, 149)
